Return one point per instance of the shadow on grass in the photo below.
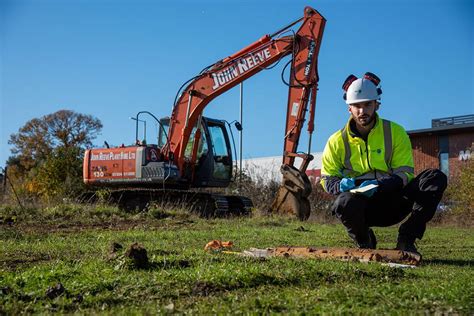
(208, 288)
(349, 275)
(450, 262)
(170, 264)
(164, 264)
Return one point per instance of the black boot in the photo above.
(407, 244)
(369, 243)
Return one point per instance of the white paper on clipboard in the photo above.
(364, 188)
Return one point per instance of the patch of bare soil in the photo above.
(23, 258)
(202, 288)
(74, 227)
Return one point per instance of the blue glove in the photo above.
(371, 191)
(346, 184)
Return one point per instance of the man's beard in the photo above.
(366, 121)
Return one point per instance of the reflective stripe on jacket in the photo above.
(387, 151)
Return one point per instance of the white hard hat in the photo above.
(361, 89)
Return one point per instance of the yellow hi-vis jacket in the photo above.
(387, 152)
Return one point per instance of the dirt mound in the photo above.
(138, 256)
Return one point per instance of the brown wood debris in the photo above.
(345, 254)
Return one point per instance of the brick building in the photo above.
(447, 145)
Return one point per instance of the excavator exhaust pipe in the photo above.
(292, 196)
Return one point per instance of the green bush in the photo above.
(459, 196)
(320, 204)
(60, 175)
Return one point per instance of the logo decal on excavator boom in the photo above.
(244, 65)
(309, 60)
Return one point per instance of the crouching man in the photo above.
(374, 156)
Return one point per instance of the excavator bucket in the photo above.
(292, 196)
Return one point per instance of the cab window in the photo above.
(218, 139)
(202, 149)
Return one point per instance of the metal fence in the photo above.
(454, 120)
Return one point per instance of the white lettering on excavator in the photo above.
(243, 65)
(111, 156)
(309, 61)
(121, 174)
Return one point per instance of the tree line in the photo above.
(47, 152)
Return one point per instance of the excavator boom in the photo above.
(229, 72)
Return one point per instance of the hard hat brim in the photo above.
(360, 101)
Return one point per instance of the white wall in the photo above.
(268, 168)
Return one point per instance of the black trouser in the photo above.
(420, 198)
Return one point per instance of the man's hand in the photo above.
(346, 184)
(371, 191)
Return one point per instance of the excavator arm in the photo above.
(218, 78)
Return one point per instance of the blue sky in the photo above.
(114, 58)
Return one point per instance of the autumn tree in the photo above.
(47, 151)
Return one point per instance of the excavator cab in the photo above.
(214, 163)
(213, 166)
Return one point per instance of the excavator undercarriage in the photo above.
(205, 204)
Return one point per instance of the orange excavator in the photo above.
(194, 151)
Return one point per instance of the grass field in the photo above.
(63, 247)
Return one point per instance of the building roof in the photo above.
(447, 125)
(443, 129)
